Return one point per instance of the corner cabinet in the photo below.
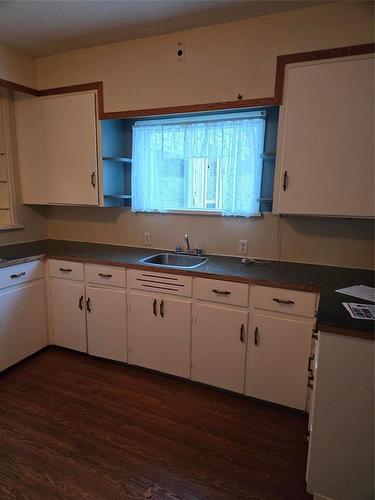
(23, 321)
(325, 155)
(57, 144)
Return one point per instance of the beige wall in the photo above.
(17, 67)
(20, 68)
(221, 61)
(337, 242)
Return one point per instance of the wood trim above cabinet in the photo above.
(276, 100)
(283, 60)
(19, 88)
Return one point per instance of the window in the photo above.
(204, 164)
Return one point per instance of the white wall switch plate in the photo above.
(147, 238)
(242, 248)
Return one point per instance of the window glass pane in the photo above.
(208, 165)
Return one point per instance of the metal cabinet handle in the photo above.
(65, 270)
(162, 308)
(93, 179)
(221, 292)
(285, 178)
(242, 333)
(102, 275)
(256, 336)
(310, 384)
(18, 275)
(80, 302)
(88, 302)
(154, 310)
(309, 369)
(281, 301)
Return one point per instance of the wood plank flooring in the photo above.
(75, 427)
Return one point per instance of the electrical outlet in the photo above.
(147, 238)
(242, 248)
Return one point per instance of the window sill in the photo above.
(12, 228)
(216, 213)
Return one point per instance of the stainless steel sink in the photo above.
(174, 260)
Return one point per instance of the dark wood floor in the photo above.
(75, 427)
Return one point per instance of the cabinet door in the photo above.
(325, 140)
(106, 323)
(174, 332)
(143, 332)
(278, 354)
(219, 346)
(70, 148)
(68, 314)
(23, 328)
(31, 162)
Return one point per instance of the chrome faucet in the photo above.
(187, 242)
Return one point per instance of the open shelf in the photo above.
(118, 196)
(120, 159)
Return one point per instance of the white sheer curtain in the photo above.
(163, 155)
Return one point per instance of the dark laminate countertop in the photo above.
(332, 316)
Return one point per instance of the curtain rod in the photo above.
(252, 115)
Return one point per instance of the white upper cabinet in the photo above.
(28, 112)
(325, 155)
(58, 148)
(70, 149)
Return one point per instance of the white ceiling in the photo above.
(45, 27)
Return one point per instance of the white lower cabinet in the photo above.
(159, 333)
(68, 314)
(23, 328)
(106, 322)
(198, 329)
(278, 352)
(219, 346)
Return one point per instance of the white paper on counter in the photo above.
(359, 291)
(360, 311)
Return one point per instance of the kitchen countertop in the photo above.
(332, 316)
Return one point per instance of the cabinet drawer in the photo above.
(105, 275)
(66, 269)
(150, 281)
(225, 292)
(21, 273)
(284, 301)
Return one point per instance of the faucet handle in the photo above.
(198, 251)
(178, 249)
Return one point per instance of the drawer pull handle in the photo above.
(221, 292)
(93, 179)
(309, 369)
(285, 177)
(281, 301)
(155, 312)
(80, 302)
(162, 308)
(65, 270)
(102, 275)
(242, 333)
(18, 275)
(88, 305)
(256, 336)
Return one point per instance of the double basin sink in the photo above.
(175, 260)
